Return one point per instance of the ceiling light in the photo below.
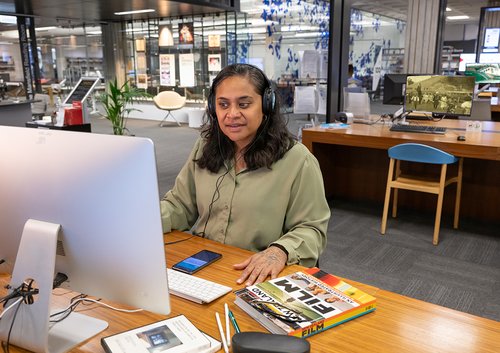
(45, 28)
(448, 9)
(462, 17)
(133, 12)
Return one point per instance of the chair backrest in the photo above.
(417, 152)
(169, 99)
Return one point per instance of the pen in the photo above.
(228, 333)
(233, 321)
(221, 331)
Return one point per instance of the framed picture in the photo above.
(214, 41)
(142, 81)
(141, 61)
(214, 62)
(186, 33)
(140, 45)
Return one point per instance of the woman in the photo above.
(247, 183)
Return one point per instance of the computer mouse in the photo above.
(461, 138)
(260, 342)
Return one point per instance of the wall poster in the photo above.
(186, 70)
(186, 33)
(142, 81)
(214, 62)
(167, 70)
(140, 45)
(214, 41)
(141, 61)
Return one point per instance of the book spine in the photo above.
(104, 345)
(323, 325)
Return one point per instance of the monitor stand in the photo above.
(32, 330)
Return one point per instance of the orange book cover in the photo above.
(304, 303)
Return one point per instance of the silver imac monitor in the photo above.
(87, 206)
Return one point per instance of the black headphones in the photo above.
(268, 98)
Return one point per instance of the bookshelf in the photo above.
(450, 59)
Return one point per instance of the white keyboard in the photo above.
(192, 288)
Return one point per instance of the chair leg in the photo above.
(165, 118)
(387, 197)
(395, 197)
(458, 195)
(395, 204)
(439, 206)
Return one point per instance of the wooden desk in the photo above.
(400, 324)
(354, 163)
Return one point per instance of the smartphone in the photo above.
(197, 261)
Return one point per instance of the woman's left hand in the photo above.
(257, 267)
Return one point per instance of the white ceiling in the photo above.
(391, 8)
(399, 8)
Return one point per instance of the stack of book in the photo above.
(174, 335)
(304, 303)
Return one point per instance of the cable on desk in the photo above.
(179, 241)
(6, 345)
(65, 312)
(24, 293)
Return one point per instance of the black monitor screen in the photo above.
(450, 95)
(394, 88)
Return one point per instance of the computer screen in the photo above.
(449, 95)
(103, 191)
(466, 58)
(394, 88)
(487, 58)
(484, 73)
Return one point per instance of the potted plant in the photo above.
(116, 102)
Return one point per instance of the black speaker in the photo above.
(268, 98)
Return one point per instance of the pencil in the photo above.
(221, 331)
(234, 322)
(228, 333)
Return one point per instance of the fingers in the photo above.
(247, 266)
(242, 265)
(258, 267)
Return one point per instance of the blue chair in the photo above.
(415, 152)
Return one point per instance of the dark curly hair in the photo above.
(271, 141)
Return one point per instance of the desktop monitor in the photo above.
(394, 88)
(484, 73)
(446, 95)
(466, 58)
(488, 58)
(102, 190)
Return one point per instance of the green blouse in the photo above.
(253, 209)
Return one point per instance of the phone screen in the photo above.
(197, 261)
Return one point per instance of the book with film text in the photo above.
(304, 303)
